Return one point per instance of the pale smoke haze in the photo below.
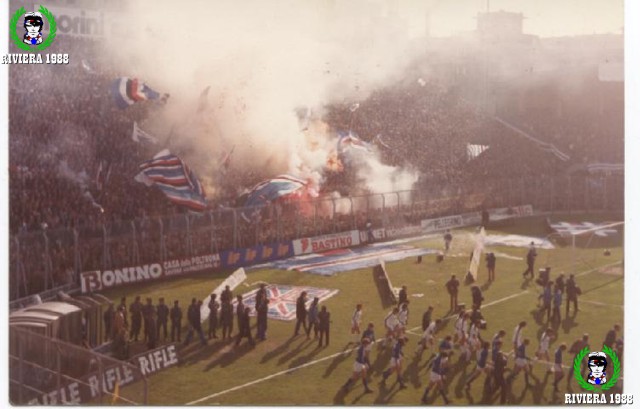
(263, 60)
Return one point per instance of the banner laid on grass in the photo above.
(282, 299)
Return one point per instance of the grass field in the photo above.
(287, 371)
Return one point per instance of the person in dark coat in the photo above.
(193, 315)
(163, 317)
(261, 294)
(573, 291)
(476, 296)
(108, 317)
(452, 288)
(426, 318)
(148, 312)
(136, 318)
(239, 309)
(226, 296)
(214, 306)
(262, 311)
(123, 308)
(176, 322)
(491, 266)
(324, 323)
(531, 259)
(226, 319)
(152, 330)
(402, 296)
(244, 322)
(560, 284)
(301, 313)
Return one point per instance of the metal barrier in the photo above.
(47, 371)
(43, 260)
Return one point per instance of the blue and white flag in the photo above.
(139, 135)
(171, 175)
(350, 140)
(272, 189)
(127, 91)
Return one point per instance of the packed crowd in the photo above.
(73, 199)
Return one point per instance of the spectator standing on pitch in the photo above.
(396, 362)
(226, 319)
(402, 296)
(499, 368)
(324, 324)
(391, 324)
(108, 317)
(301, 313)
(452, 288)
(560, 284)
(557, 304)
(193, 315)
(148, 313)
(136, 318)
(313, 318)
(531, 259)
(261, 294)
(573, 291)
(491, 266)
(360, 367)
(152, 330)
(356, 319)
(214, 306)
(262, 312)
(612, 337)
(123, 304)
(448, 238)
(244, 327)
(476, 296)
(239, 309)
(226, 295)
(575, 348)
(426, 318)
(176, 321)
(162, 312)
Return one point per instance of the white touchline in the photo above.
(286, 371)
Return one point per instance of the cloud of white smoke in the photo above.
(263, 60)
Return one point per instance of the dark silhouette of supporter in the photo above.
(136, 318)
(324, 325)
(176, 322)
(244, 327)
(214, 306)
(162, 313)
(193, 315)
(301, 313)
(452, 288)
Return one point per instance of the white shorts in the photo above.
(358, 367)
(368, 347)
(544, 348)
(435, 377)
(395, 362)
(427, 339)
(557, 368)
(521, 362)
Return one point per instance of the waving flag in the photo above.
(127, 91)
(139, 135)
(348, 141)
(171, 175)
(272, 189)
(473, 151)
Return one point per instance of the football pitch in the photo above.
(286, 370)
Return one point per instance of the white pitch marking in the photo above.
(286, 371)
(266, 378)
